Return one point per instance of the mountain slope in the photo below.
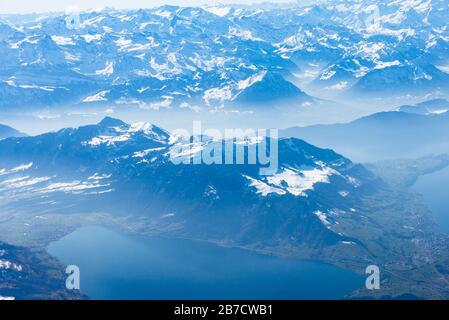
(31, 275)
(381, 136)
(401, 80)
(6, 132)
(436, 106)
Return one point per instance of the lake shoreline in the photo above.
(431, 187)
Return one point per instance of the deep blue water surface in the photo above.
(118, 266)
(435, 188)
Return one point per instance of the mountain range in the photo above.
(218, 56)
(408, 132)
(316, 205)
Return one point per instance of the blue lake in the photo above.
(119, 266)
(435, 189)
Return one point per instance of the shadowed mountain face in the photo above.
(6, 132)
(269, 91)
(120, 168)
(381, 136)
(31, 275)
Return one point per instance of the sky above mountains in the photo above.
(30, 6)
